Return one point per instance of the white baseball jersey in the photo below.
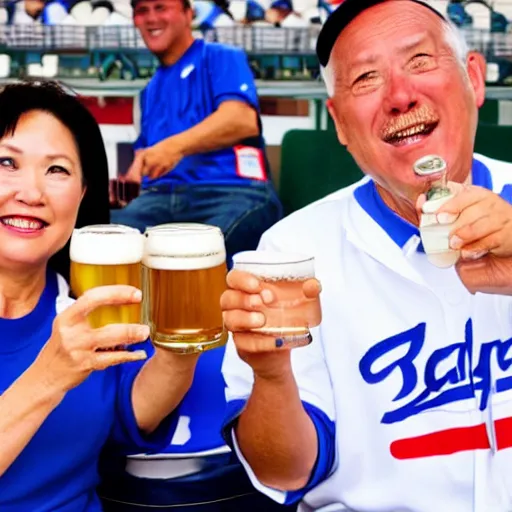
(413, 370)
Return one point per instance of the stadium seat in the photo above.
(313, 164)
(481, 14)
(458, 15)
(5, 65)
(439, 5)
(4, 16)
(50, 66)
(489, 112)
(503, 7)
(494, 141)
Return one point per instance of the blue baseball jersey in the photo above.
(57, 470)
(180, 96)
(408, 380)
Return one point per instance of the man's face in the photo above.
(401, 94)
(162, 24)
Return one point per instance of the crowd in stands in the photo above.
(489, 15)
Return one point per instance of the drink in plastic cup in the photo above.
(292, 314)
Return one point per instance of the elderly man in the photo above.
(403, 401)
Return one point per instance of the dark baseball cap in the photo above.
(342, 16)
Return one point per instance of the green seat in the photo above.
(313, 164)
(489, 112)
(494, 141)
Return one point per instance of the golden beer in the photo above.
(185, 275)
(104, 255)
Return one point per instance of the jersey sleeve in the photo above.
(315, 389)
(126, 434)
(232, 78)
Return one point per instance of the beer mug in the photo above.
(105, 255)
(291, 315)
(184, 278)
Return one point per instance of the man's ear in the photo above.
(335, 117)
(477, 69)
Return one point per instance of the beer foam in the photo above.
(184, 247)
(275, 266)
(106, 245)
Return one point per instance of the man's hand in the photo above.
(484, 223)
(483, 234)
(489, 274)
(155, 160)
(243, 305)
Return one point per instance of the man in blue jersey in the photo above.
(200, 158)
(200, 155)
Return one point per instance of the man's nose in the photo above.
(30, 189)
(150, 16)
(400, 94)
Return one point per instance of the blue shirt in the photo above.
(57, 470)
(182, 95)
(202, 410)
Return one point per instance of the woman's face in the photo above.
(40, 190)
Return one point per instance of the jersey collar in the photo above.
(397, 228)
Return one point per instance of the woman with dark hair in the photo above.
(66, 390)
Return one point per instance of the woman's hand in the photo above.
(75, 350)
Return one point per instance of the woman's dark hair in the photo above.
(20, 98)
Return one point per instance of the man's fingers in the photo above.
(483, 246)
(135, 171)
(466, 197)
(113, 295)
(238, 320)
(156, 171)
(464, 227)
(475, 275)
(243, 281)
(456, 188)
(113, 335)
(233, 299)
(103, 360)
(422, 199)
(483, 230)
(312, 288)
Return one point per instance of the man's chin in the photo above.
(157, 48)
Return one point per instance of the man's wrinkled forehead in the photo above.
(386, 28)
(350, 12)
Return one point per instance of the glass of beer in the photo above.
(185, 275)
(103, 255)
(291, 315)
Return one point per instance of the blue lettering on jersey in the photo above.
(449, 374)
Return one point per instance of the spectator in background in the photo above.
(200, 155)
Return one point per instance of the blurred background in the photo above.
(92, 47)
